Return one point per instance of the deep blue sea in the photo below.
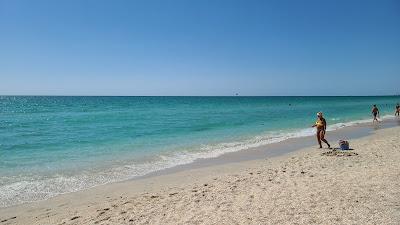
(55, 145)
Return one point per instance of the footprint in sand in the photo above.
(75, 217)
(5, 220)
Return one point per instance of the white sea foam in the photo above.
(30, 189)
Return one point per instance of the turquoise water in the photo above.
(54, 145)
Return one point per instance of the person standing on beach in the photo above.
(375, 113)
(320, 124)
(397, 113)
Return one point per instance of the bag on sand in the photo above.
(344, 145)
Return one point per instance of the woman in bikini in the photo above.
(320, 124)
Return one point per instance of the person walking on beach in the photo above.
(320, 124)
(397, 113)
(375, 113)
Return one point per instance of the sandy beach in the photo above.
(199, 112)
(308, 186)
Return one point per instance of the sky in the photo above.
(199, 47)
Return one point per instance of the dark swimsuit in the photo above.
(375, 113)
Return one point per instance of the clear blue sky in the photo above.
(203, 47)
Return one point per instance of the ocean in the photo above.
(55, 145)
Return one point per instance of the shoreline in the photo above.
(281, 148)
(168, 181)
(357, 129)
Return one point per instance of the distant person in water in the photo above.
(397, 113)
(320, 124)
(375, 113)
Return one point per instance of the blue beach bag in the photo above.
(344, 145)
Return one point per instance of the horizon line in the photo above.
(17, 95)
